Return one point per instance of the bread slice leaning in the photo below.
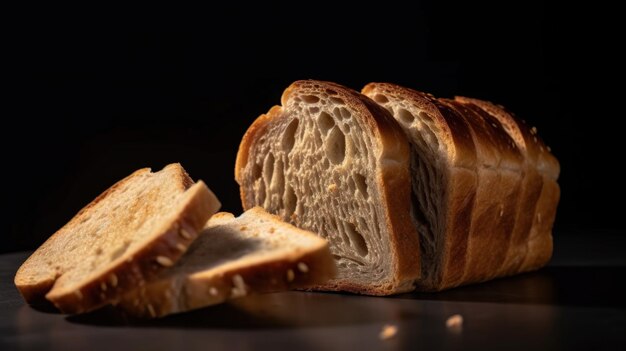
(234, 257)
(331, 161)
(132, 231)
(472, 184)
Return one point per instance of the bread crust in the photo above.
(392, 179)
(499, 184)
(540, 193)
(133, 268)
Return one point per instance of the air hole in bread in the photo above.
(310, 99)
(425, 117)
(336, 100)
(268, 167)
(405, 116)
(345, 114)
(325, 122)
(331, 92)
(291, 200)
(278, 179)
(357, 240)
(381, 99)
(289, 137)
(314, 110)
(361, 184)
(336, 146)
(430, 137)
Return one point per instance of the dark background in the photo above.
(94, 95)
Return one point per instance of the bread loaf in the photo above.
(483, 185)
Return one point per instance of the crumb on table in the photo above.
(388, 332)
(455, 321)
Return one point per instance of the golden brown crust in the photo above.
(532, 235)
(496, 198)
(393, 180)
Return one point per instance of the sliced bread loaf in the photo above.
(472, 187)
(132, 231)
(234, 257)
(331, 161)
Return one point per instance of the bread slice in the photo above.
(532, 236)
(469, 175)
(331, 161)
(132, 231)
(234, 257)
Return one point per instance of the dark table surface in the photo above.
(577, 302)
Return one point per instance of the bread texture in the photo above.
(126, 236)
(332, 161)
(235, 257)
(475, 187)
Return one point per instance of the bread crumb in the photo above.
(181, 247)
(184, 233)
(290, 275)
(455, 322)
(103, 286)
(164, 261)
(533, 130)
(302, 267)
(213, 291)
(388, 332)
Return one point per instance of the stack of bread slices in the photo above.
(150, 246)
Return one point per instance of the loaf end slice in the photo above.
(235, 257)
(132, 231)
